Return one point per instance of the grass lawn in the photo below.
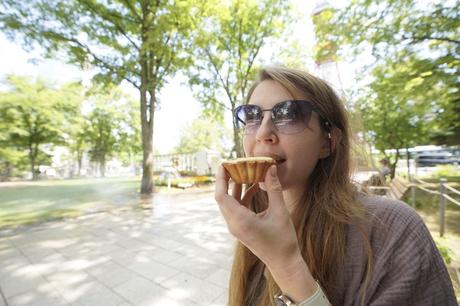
(29, 202)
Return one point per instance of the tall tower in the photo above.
(327, 68)
(325, 49)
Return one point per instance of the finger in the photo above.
(236, 191)
(221, 182)
(228, 205)
(249, 194)
(274, 189)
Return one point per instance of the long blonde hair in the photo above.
(328, 206)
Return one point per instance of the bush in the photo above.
(204, 180)
(445, 251)
(446, 171)
(187, 173)
(185, 181)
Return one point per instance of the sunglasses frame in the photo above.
(325, 124)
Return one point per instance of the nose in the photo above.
(267, 130)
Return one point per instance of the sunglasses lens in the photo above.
(249, 117)
(291, 117)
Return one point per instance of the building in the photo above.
(203, 162)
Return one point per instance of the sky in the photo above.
(178, 107)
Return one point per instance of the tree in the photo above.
(203, 134)
(35, 115)
(141, 42)
(227, 48)
(130, 142)
(77, 142)
(426, 33)
(108, 126)
(397, 109)
(101, 131)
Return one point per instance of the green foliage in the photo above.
(395, 106)
(226, 51)
(203, 134)
(35, 115)
(444, 171)
(397, 110)
(187, 181)
(112, 37)
(416, 46)
(141, 42)
(111, 126)
(446, 253)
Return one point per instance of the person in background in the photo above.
(385, 171)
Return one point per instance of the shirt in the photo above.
(407, 266)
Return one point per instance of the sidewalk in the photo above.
(175, 253)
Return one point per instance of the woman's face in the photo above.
(298, 153)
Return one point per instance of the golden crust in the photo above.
(248, 170)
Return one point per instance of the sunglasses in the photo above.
(289, 117)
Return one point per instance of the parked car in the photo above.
(427, 159)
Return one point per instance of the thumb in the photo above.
(274, 188)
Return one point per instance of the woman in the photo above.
(305, 235)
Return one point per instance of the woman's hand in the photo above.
(270, 235)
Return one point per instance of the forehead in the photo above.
(270, 92)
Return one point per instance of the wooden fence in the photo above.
(443, 188)
(398, 187)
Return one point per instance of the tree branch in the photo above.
(428, 37)
(216, 70)
(115, 23)
(97, 58)
(132, 9)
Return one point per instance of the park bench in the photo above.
(397, 188)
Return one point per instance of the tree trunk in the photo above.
(32, 169)
(408, 164)
(102, 167)
(33, 157)
(8, 172)
(79, 166)
(147, 145)
(393, 166)
(79, 161)
(237, 140)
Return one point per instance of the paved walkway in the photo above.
(176, 252)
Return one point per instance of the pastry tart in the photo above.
(248, 170)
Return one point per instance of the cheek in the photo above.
(303, 160)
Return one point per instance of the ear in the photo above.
(330, 142)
